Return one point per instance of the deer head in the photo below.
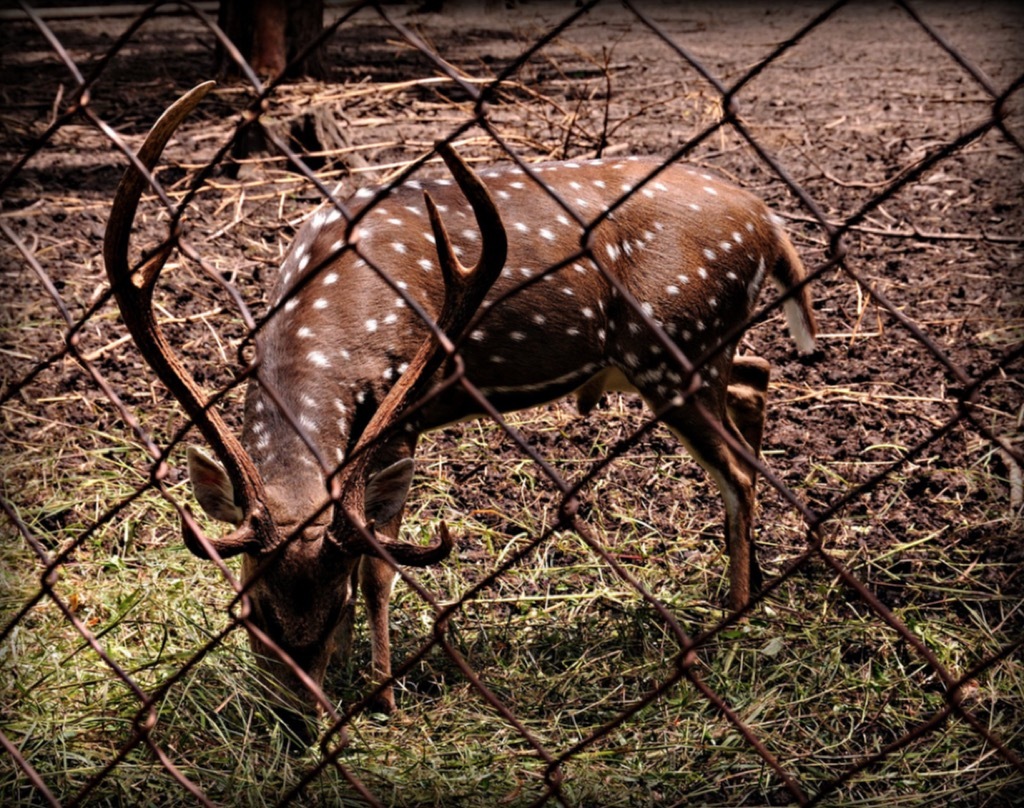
(302, 539)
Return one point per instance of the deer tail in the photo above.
(786, 274)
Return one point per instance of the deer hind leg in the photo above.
(747, 398)
(731, 474)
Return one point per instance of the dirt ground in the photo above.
(861, 99)
(852, 106)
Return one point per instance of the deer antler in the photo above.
(465, 289)
(134, 293)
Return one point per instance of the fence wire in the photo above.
(895, 449)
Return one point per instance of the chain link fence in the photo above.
(575, 648)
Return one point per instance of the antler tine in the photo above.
(465, 289)
(134, 293)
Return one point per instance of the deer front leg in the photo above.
(344, 633)
(377, 579)
(386, 492)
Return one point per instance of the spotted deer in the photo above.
(325, 458)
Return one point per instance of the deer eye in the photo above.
(313, 532)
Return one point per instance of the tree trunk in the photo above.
(270, 33)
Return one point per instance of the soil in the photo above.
(862, 99)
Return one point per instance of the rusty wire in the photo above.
(816, 520)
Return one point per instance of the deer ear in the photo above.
(212, 487)
(386, 491)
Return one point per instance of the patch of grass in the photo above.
(559, 639)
